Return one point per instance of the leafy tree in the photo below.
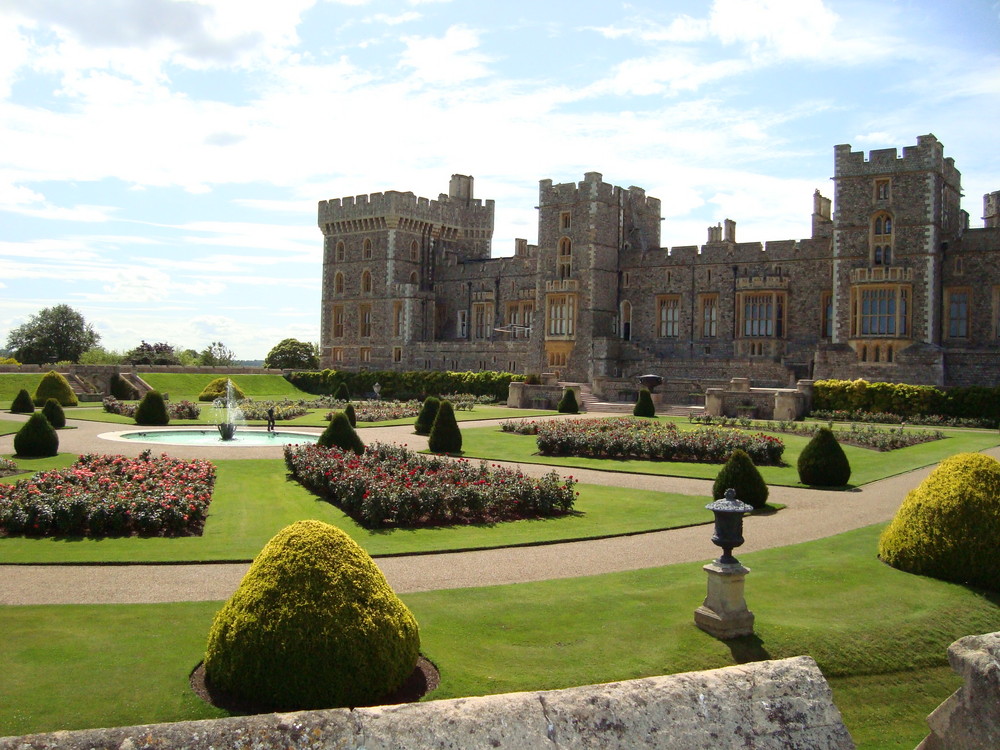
(54, 334)
(98, 355)
(188, 357)
(216, 354)
(292, 354)
(152, 354)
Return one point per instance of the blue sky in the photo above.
(161, 160)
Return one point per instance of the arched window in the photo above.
(564, 263)
(626, 320)
(338, 283)
(888, 354)
(864, 353)
(881, 239)
(413, 277)
(366, 283)
(366, 249)
(341, 251)
(414, 251)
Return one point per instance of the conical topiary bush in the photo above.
(54, 413)
(352, 416)
(22, 403)
(152, 410)
(823, 462)
(644, 404)
(340, 434)
(948, 526)
(740, 473)
(428, 412)
(343, 393)
(445, 436)
(567, 404)
(54, 385)
(36, 438)
(313, 624)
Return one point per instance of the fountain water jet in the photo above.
(228, 414)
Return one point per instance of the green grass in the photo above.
(182, 385)
(880, 636)
(12, 382)
(866, 465)
(9, 426)
(253, 500)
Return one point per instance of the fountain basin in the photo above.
(211, 438)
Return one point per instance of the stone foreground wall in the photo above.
(771, 705)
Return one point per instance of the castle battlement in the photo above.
(592, 188)
(928, 154)
(448, 210)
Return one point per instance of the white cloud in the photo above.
(388, 20)
(447, 60)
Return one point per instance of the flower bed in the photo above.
(391, 486)
(628, 437)
(283, 410)
(103, 496)
(7, 466)
(175, 409)
(927, 420)
(378, 411)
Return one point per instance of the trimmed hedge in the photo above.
(644, 404)
(152, 410)
(948, 526)
(445, 435)
(313, 624)
(823, 462)
(567, 404)
(406, 385)
(425, 419)
(54, 413)
(54, 385)
(340, 434)
(36, 438)
(907, 400)
(22, 403)
(351, 414)
(217, 389)
(740, 473)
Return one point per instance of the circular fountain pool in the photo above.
(206, 437)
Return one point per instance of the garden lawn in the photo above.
(866, 465)
(9, 426)
(12, 382)
(253, 500)
(182, 385)
(879, 635)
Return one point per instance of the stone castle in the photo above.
(893, 285)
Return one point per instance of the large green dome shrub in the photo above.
(567, 404)
(644, 406)
(54, 413)
(217, 389)
(948, 526)
(313, 624)
(823, 462)
(152, 410)
(36, 438)
(740, 473)
(54, 385)
(340, 434)
(425, 419)
(445, 436)
(22, 403)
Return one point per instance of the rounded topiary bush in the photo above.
(428, 412)
(352, 416)
(823, 462)
(313, 624)
(217, 389)
(53, 412)
(36, 438)
(152, 410)
(340, 434)
(54, 385)
(445, 436)
(343, 393)
(567, 404)
(948, 526)
(22, 403)
(644, 404)
(740, 473)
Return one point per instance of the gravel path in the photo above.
(810, 515)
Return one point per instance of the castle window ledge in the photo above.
(880, 274)
(483, 296)
(762, 282)
(562, 285)
(560, 337)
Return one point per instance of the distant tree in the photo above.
(188, 357)
(98, 355)
(55, 334)
(216, 354)
(152, 354)
(292, 354)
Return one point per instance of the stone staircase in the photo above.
(84, 391)
(590, 403)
